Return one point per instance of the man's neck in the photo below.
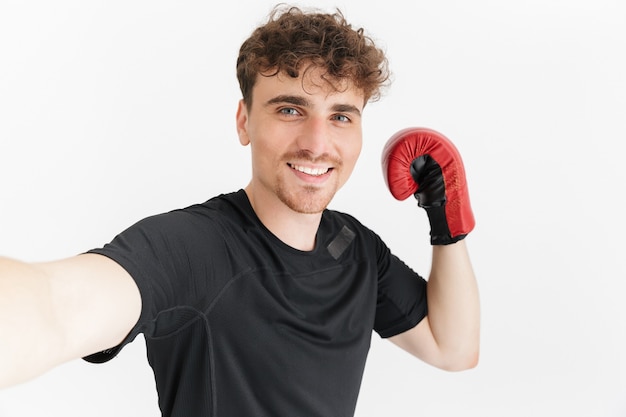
(297, 230)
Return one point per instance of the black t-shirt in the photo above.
(239, 324)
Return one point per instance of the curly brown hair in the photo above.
(293, 36)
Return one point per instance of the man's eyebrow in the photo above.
(303, 102)
(346, 108)
(290, 99)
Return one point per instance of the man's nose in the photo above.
(315, 136)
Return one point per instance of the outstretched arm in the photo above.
(57, 311)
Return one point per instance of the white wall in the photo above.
(111, 111)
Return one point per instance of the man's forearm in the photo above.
(453, 304)
(27, 331)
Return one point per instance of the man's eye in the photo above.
(341, 118)
(289, 111)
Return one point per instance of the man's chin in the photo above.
(311, 201)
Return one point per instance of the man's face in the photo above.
(305, 139)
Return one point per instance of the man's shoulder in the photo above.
(342, 217)
(216, 211)
(337, 220)
(219, 202)
(225, 205)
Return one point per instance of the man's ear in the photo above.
(242, 123)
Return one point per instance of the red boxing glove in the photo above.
(425, 163)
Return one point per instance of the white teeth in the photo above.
(310, 171)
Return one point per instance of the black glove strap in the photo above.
(439, 230)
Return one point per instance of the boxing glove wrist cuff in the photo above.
(439, 230)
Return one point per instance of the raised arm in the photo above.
(56, 311)
(449, 337)
(424, 163)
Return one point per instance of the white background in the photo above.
(114, 110)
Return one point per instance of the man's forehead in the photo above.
(309, 82)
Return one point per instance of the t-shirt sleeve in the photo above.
(157, 253)
(401, 302)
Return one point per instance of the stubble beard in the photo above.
(306, 200)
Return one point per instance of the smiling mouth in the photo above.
(316, 172)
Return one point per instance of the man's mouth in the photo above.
(316, 172)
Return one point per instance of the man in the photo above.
(261, 302)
